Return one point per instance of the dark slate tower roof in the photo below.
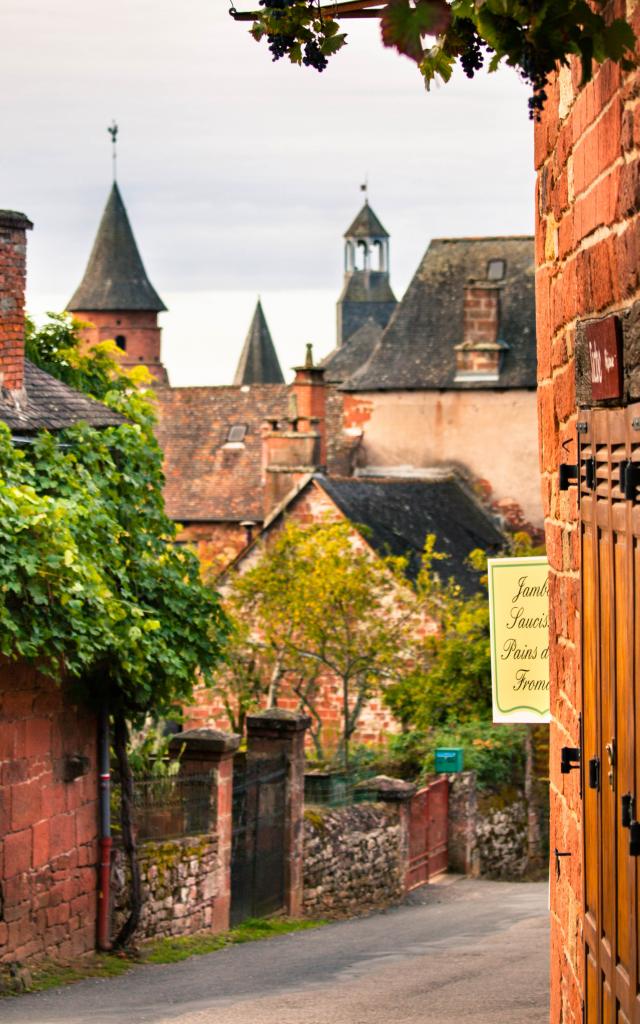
(115, 278)
(417, 349)
(258, 363)
(366, 225)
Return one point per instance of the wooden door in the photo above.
(610, 571)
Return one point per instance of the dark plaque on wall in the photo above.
(604, 341)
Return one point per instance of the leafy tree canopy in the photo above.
(319, 602)
(532, 36)
(92, 586)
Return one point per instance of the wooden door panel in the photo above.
(624, 768)
(590, 723)
(607, 741)
(610, 659)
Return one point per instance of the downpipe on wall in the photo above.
(104, 805)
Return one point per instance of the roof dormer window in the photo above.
(496, 270)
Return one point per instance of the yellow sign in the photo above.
(519, 616)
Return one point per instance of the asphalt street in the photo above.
(471, 952)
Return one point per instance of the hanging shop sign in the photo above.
(519, 618)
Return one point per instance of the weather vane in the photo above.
(113, 132)
(365, 186)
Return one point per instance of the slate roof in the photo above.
(115, 278)
(258, 363)
(353, 353)
(366, 225)
(399, 514)
(51, 405)
(208, 479)
(416, 350)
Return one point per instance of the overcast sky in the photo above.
(239, 175)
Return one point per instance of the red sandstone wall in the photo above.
(48, 827)
(588, 258)
(139, 328)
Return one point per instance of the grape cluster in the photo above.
(313, 56)
(471, 57)
(280, 45)
(533, 68)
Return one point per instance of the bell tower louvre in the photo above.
(367, 290)
(115, 296)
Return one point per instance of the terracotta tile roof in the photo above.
(51, 405)
(208, 478)
(416, 350)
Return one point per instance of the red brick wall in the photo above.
(13, 274)
(139, 328)
(48, 827)
(588, 260)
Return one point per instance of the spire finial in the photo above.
(308, 359)
(365, 188)
(113, 132)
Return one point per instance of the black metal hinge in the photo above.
(568, 475)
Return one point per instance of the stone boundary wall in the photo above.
(179, 886)
(354, 858)
(487, 833)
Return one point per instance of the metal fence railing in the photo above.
(170, 808)
(336, 789)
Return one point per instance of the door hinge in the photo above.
(568, 474)
(631, 480)
(569, 759)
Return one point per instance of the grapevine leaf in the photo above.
(403, 25)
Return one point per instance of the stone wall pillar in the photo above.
(463, 819)
(205, 750)
(398, 792)
(269, 734)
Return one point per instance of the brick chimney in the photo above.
(481, 352)
(296, 446)
(13, 274)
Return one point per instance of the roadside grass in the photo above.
(161, 951)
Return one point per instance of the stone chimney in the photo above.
(296, 446)
(13, 275)
(480, 354)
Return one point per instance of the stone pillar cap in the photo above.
(279, 720)
(204, 743)
(388, 788)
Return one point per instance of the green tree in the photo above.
(532, 36)
(320, 602)
(92, 586)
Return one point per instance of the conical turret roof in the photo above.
(366, 225)
(258, 363)
(115, 278)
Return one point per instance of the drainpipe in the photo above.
(104, 801)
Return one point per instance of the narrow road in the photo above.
(473, 952)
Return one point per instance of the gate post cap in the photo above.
(388, 789)
(203, 744)
(277, 720)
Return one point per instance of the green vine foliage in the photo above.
(532, 36)
(92, 585)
